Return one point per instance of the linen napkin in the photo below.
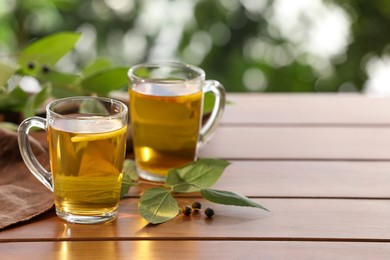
(22, 196)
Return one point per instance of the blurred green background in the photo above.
(248, 45)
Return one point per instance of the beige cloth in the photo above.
(22, 196)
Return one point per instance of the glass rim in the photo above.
(178, 65)
(119, 114)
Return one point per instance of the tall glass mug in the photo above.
(87, 146)
(166, 103)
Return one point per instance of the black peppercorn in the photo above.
(187, 211)
(209, 212)
(196, 206)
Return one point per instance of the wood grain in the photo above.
(320, 163)
(141, 250)
(329, 179)
(284, 109)
(291, 219)
(299, 143)
(307, 179)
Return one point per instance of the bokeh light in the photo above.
(249, 45)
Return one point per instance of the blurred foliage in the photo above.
(37, 61)
(241, 43)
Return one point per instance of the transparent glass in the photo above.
(87, 146)
(166, 110)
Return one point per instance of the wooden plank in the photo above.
(291, 219)
(193, 250)
(256, 142)
(303, 108)
(306, 109)
(307, 179)
(302, 179)
(308, 143)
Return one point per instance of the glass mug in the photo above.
(166, 103)
(87, 147)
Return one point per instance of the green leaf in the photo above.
(14, 100)
(157, 205)
(57, 77)
(47, 51)
(129, 167)
(229, 198)
(200, 174)
(173, 178)
(105, 81)
(208, 102)
(96, 66)
(129, 176)
(35, 101)
(185, 188)
(93, 107)
(7, 70)
(63, 84)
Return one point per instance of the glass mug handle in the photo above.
(210, 126)
(26, 151)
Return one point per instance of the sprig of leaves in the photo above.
(39, 60)
(158, 204)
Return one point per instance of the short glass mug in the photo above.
(87, 147)
(166, 107)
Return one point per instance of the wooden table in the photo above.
(320, 163)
